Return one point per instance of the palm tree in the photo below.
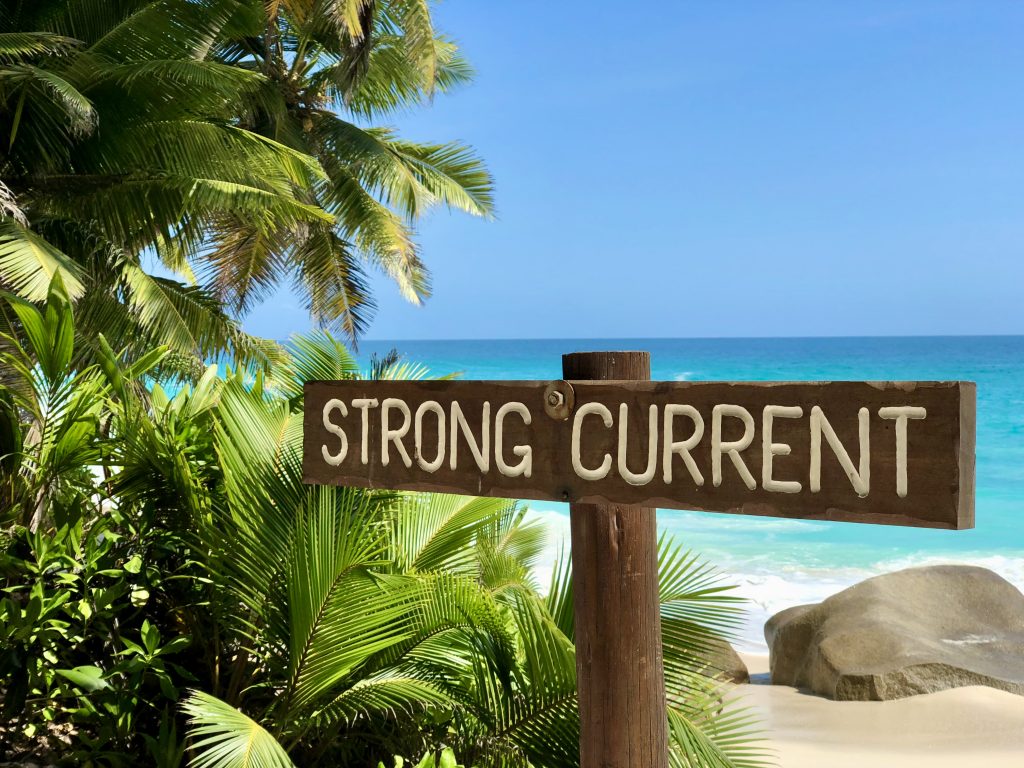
(331, 65)
(117, 138)
(205, 134)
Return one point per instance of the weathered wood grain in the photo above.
(623, 723)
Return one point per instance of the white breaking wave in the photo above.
(769, 591)
(770, 587)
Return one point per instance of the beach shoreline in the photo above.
(772, 584)
(969, 726)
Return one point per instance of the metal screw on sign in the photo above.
(559, 400)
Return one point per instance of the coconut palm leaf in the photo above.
(713, 732)
(410, 176)
(315, 356)
(508, 551)
(340, 615)
(19, 46)
(378, 231)
(387, 694)
(697, 609)
(211, 113)
(531, 717)
(436, 531)
(28, 263)
(51, 95)
(392, 79)
(414, 19)
(226, 738)
(559, 599)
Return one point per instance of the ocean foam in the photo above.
(771, 589)
(771, 585)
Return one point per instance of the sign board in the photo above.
(897, 453)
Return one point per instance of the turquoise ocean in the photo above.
(777, 563)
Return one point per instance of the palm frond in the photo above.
(150, 31)
(17, 46)
(712, 731)
(334, 283)
(436, 531)
(224, 737)
(559, 599)
(392, 80)
(28, 263)
(697, 609)
(414, 19)
(38, 84)
(410, 176)
(376, 230)
(387, 694)
(314, 356)
(340, 615)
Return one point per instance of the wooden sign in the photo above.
(616, 446)
(898, 453)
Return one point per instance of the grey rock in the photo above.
(724, 663)
(914, 631)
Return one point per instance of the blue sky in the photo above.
(726, 169)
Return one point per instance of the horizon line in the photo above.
(711, 338)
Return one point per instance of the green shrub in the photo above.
(171, 585)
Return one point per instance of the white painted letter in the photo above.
(682, 447)
(434, 407)
(731, 447)
(364, 404)
(388, 435)
(481, 451)
(330, 426)
(524, 467)
(819, 424)
(770, 450)
(606, 464)
(901, 413)
(652, 446)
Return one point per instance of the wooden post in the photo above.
(623, 722)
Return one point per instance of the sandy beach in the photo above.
(971, 727)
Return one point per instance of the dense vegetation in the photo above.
(166, 558)
(213, 135)
(171, 591)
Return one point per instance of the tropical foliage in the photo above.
(223, 139)
(171, 588)
(171, 591)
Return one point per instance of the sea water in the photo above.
(777, 563)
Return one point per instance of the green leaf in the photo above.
(28, 263)
(223, 737)
(150, 637)
(17, 45)
(88, 678)
(84, 609)
(51, 333)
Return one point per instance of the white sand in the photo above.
(971, 727)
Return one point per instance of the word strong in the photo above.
(397, 421)
(898, 453)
